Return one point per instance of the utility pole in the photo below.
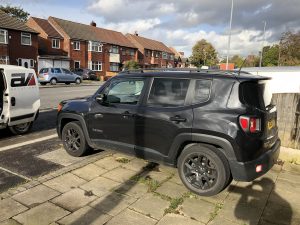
(262, 47)
(229, 37)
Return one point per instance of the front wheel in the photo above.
(21, 128)
(74, 140)
(203, 169)
(77, 81)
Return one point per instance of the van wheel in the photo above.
(53, 81)
(77, 81)
(74, 140)
(21, 128)
(203, 169)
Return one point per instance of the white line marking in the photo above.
(19, 175)
(28, 142)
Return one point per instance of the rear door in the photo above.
(163, 116)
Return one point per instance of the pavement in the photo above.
(111, 188)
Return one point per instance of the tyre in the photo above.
(53, 81)
(21, 128)
(203, 169)
(74, 140)
(77, 81)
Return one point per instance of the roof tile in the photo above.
(47, 27)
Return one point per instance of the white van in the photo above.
(19, 98)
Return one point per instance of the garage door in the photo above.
(62, 64)
(43, 63)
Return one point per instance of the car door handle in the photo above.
(178, 119)
(13, 101)
(127, 114)
(98, 116)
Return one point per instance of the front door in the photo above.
(162, 117)
(26, 63)
(112, 122)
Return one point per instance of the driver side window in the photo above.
(124, 91)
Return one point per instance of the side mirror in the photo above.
(101, 98)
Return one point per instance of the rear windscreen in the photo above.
(257, 94)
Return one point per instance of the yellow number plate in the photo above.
(271, 124)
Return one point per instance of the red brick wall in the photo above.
(3, 50)
(79, 55)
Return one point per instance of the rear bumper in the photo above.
(246, 171)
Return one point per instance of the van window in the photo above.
(167, 92)
(202, 91)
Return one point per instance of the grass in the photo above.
(122, 160)
(151, 183)
(173, 208)
(218, 207)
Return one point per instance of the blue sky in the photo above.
(180, 23)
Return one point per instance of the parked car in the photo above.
(58, 75)
(19, 98)
(86, 74)
(212, 125)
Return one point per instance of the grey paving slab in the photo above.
(85, 216)
(9, 208)
(176, 179)
(290, 176)
(120, 174)
(130, 217)
(172, 190)
(89, 171)
(218, 220)
(151, 205)
(9, 222)
(135, 165)
(175, 219)
(132, 189)
(155, 175)
(74, 199)
(100, 186)
(60, 156)
(291, 167)
(112, 203)
(192, 207)
(65, 182)
(45, 213)
(108, 163)
(36, 195)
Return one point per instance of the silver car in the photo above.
(58, 75)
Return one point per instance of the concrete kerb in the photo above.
(39, 180)
(70, 85)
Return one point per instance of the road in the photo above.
(20, 163)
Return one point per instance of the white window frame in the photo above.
(96, 64)
(95, 46)
(5, 59)
(5, 33)
(26, 35)
(77, 61)
(54, 42)
(76, 45)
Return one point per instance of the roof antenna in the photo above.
(242, 66)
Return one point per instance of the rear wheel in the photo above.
(53, 81)
(21, 128)
(74, 140)
(203, 169)
(77, 81)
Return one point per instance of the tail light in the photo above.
(250, 124)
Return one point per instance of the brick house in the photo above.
(18, 42)
(152, 53)
(50, 42)
(88, 46)
(180, 61)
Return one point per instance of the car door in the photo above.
(68, 76)
(58, 74)
(112, 122)
(162, 117)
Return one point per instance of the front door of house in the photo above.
(25, 63)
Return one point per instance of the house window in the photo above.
(25, 38)
(76, 45)
(165, 55)
(76, 64)
(172, 57)
(3, 36)
(55, 43)
(114, 67)
(123, 52)
(4, 60)
(114, 49)
(95, 66)
(95, 46)
(131, 52)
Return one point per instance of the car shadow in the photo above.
(254, 195)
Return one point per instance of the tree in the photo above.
(289, 49)
(237, 60)
(16, 12)
(251, 61)
(131, 65)
(203, 53)
(270, 55)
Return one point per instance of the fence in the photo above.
(288, 118)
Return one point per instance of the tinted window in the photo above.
(55, 70)
(44, 70)
(66, 71)
(168, 92)
(125, 91)
(202, 91)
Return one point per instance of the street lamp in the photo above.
(262, 47)
(229, 37)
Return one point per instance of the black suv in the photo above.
(212, 125)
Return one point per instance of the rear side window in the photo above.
(55, 70)
(168, 92)
(202, 91)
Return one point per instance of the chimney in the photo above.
(136, 33)
(93, 23)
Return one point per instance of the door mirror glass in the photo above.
(101, 98)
